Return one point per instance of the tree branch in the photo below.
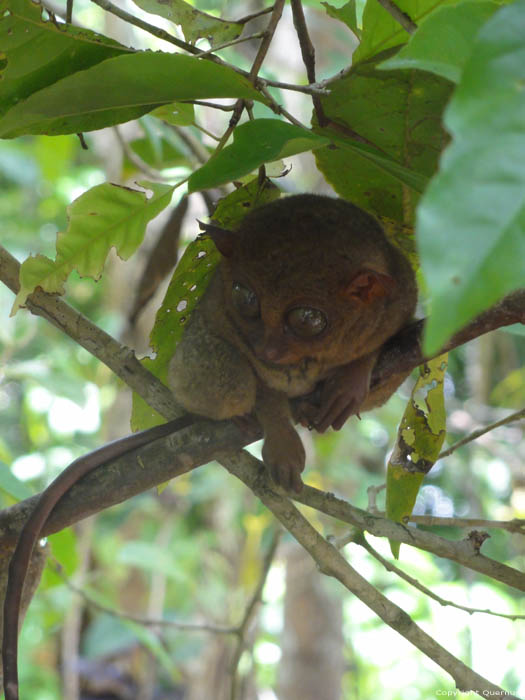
(251, 472)
(463, 552)
(475, 434)
(402, 353)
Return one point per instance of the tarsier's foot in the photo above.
(284, 455)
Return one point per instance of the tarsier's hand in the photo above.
(342, 395)
(283, 453)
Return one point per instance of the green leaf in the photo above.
(471, 221)
(419, 441)
(132, 86)
(346, 14)
(189, 282)
(106, 216)
(177, 113)
(381, 31)
(159, 154)
(397, 114)
(39, 52)
(195, 24)
(254, 143)
(64, 549)
(443, 42)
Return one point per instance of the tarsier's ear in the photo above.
(368, 285)
(224, 240)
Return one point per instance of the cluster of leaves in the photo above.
(376, 132)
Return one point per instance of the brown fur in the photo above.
(304, 251)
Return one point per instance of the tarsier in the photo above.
(307, 292)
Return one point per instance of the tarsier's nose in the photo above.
(274, 348)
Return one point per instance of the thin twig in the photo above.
(516, 525)
(165, 36)
(518, 415)
(251, 608)
(401, 17)
(213, 105)
(267, 40)
(141, 620)
(307, 53)
(137, 161)
(254, 70)
(317, 89)
(141, 24)
(254, 15)
(194, 145)
(240, 40)
(278, 109)
(363, 542)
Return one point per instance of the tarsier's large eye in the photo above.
(245, 301)
(306, 322)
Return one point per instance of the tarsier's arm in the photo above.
(33, 526)
(283, 452)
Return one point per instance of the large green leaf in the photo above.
(106, 216)
(38, 52)
(254, 143)
(120, 89)
(346, 14)
(398, 113)
(195, 24)
(471, 222)
(443, 42)
(381, 31)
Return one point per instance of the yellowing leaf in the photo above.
(419, 440)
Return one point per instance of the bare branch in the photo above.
(463, 552)
(363, 542)
(307, 53)
(254, 15)
(475, 434)
(516, 525)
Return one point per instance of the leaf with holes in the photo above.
(190, 280)
(106, 216)
(195, 24)
(419, 441)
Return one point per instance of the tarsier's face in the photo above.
(310, 280)
(278, 333)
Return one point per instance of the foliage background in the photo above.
(193, 552)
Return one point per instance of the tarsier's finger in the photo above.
(329, 413)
